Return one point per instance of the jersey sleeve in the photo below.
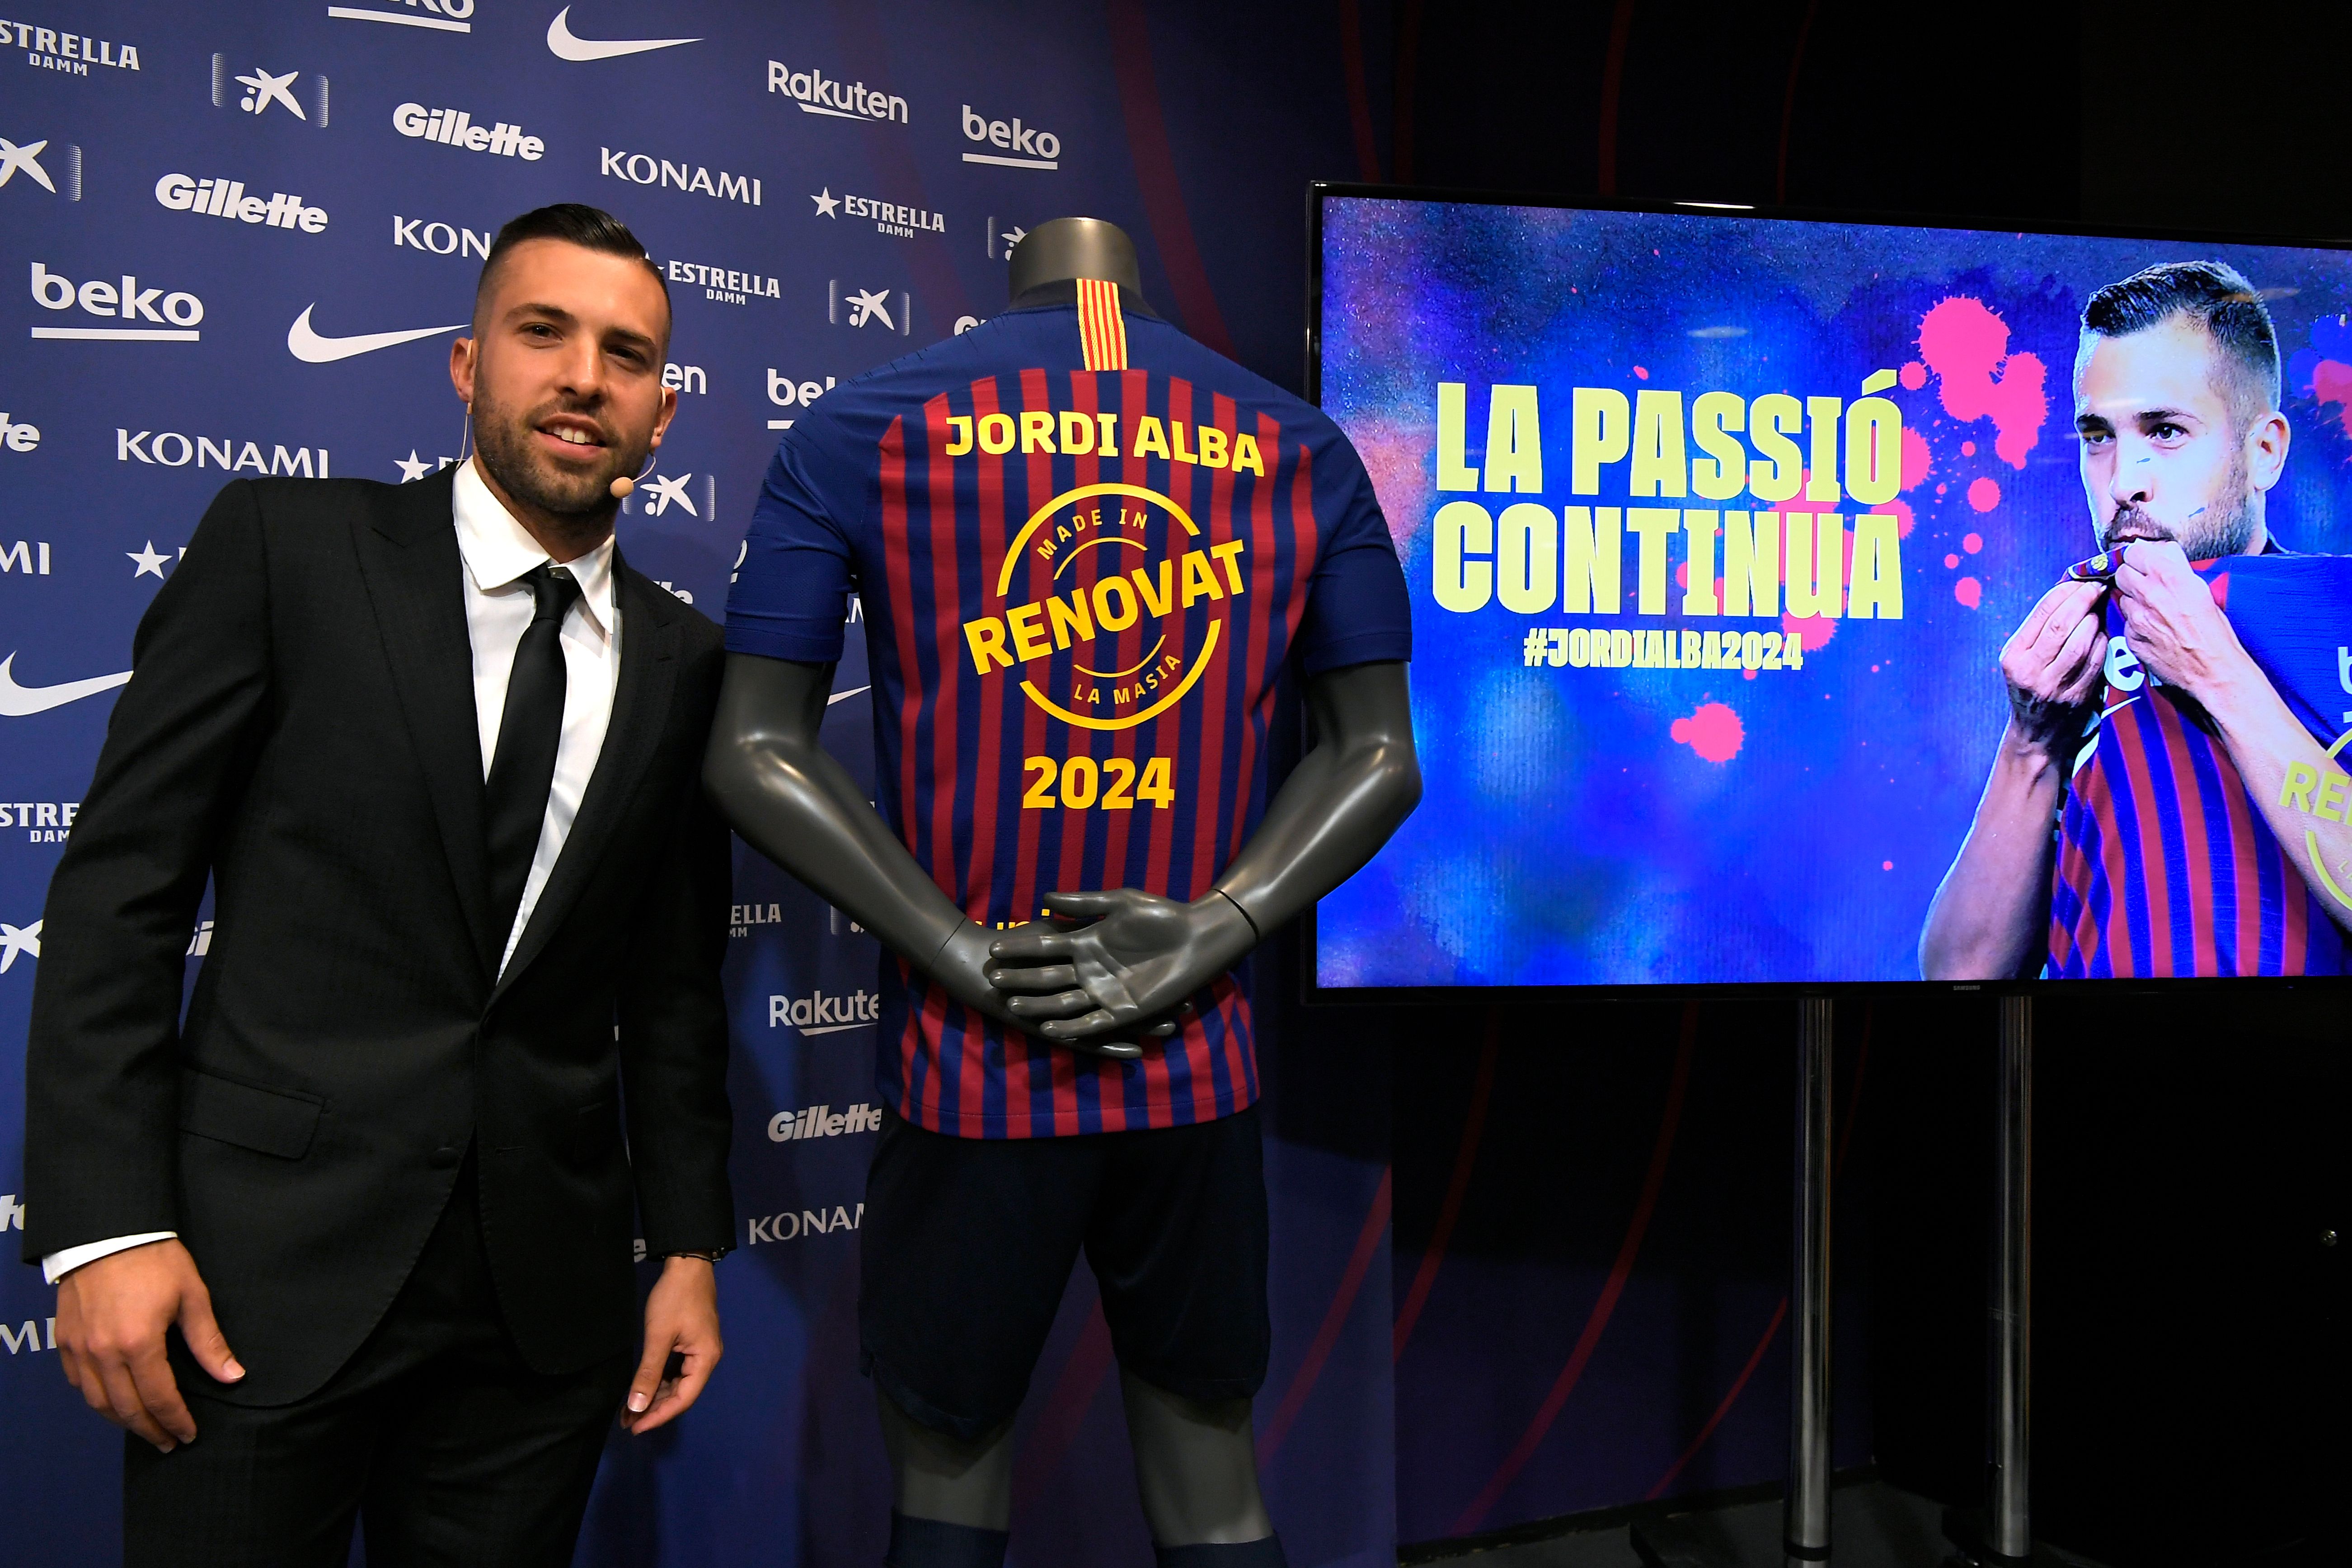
(1357, 608)
(792, 591)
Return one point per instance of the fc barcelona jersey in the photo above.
(1086, 549)
(2166, 864)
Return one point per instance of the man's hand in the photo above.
(2172, 624)
(111, 1317)
(682, 1318)
(2052, 665)
(1115, 964)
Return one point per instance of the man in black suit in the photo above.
(437, 750)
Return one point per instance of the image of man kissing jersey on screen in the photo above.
(2176, 701)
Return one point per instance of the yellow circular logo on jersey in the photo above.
(1120, 518)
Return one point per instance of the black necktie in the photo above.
(529, 730)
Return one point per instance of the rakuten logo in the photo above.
(225, 197)
(822, 1121)
(455, 128)
(176, 324)
(1029, 148)
(819, 1014)
(817, 94)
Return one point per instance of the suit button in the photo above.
(445, 1159)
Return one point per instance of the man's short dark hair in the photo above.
(574, 223)
(2216, 296)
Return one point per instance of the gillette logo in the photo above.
(225, 197)
(455, 128)
(822, 1121)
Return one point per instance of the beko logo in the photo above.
(47, 49)
(225, 197)
(818, 94)
(176, 315)
(890, 217)
(818, 1121)
(440, 16)
(785, 392)
(170, 449)
(1026, 147)
(27, 161)
(455, 128)
(723, 284)
(263, 89)
(818, 1014)
(639, 170)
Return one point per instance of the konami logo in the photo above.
(790, 1226)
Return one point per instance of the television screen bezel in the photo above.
(1313, 993)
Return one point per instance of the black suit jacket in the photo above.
(300, 727)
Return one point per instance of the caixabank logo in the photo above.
(1099, 560)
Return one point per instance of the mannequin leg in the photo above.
(951, 1501)
(1196, 1466)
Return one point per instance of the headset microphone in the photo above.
(622, 486)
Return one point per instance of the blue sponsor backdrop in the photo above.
(238, 240)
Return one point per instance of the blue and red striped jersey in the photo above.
(1086, 548)
(2166, 865)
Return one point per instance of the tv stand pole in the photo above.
(2009, 1381)
(1682, 1540)
(1805, 1521)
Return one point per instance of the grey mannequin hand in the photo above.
(962, 967)
(1116, 964)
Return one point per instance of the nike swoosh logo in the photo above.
(16, 701)
(845, 696)
(565, 47)
(308, 346)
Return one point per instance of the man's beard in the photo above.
(2225, 527)
(507, 450)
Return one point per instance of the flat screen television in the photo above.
(1767, 627)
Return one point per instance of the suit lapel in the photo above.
(640, 710)
(415, 582)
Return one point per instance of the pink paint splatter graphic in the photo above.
(1919, 460)
(1900, 509)
(2331, 382)
(1984, 494)
(1813, 631)
(1967, 345)
(1951, 561)
(1712, 731)
(1968, 592)
(1972, 543)
(1914, 375)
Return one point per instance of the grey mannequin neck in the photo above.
(1072, 247)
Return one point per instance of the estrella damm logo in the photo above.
(1149, 564)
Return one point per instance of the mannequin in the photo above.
(1108, 972)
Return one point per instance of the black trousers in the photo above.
(435, 1436)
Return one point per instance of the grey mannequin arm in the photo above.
(1139, 955)
(773, 780)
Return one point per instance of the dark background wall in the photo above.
(2189, 1345)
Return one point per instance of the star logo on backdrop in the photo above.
(150, 564)
(412, 468)
(868, 303)
(668, 490)
(13, 941)
(28, 158)
(269, 90)
(826, 202)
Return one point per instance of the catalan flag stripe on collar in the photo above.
(1102, 332)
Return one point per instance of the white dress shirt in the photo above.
(497, 551)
